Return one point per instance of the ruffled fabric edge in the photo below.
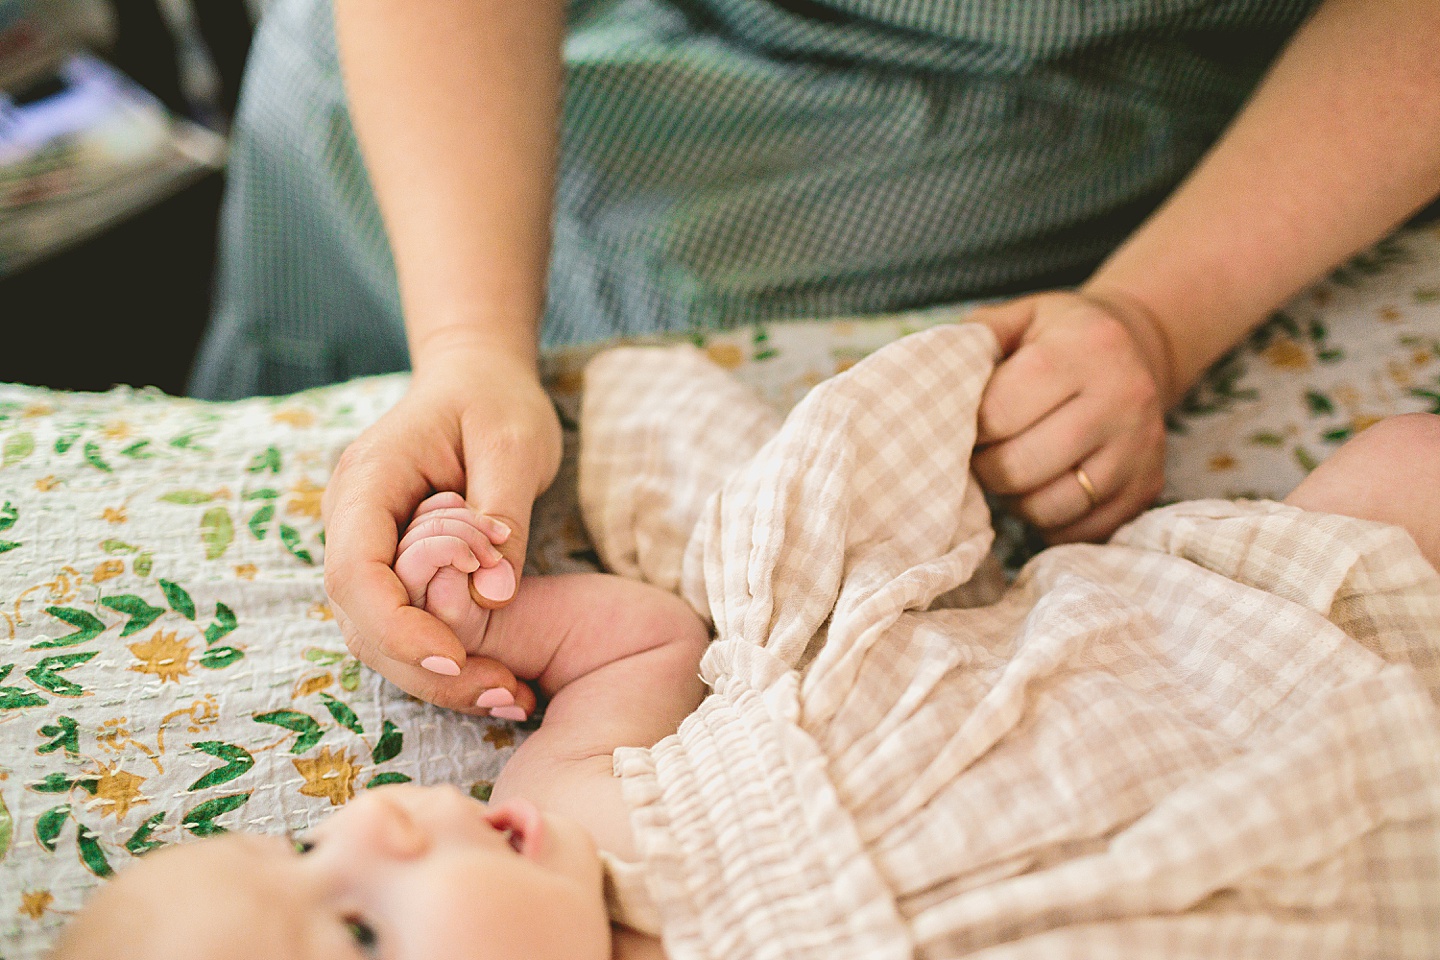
(747, 849)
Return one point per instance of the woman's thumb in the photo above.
(505, 519)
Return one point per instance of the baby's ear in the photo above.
(521, 819)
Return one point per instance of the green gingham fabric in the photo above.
(739, 161)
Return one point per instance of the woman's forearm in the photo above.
(1339, 144)
(455, 104)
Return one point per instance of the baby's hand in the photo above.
(449, 566)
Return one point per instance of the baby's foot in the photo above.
(449, 566)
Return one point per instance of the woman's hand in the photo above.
(476, 422)
(1072, 427)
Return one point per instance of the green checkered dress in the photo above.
(735, 161)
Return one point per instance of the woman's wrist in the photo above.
(475, 342)
(1148, 332)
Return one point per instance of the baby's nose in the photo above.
(382, 827)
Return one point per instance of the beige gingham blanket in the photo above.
(1216, 736)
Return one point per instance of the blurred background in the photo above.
(113, 123)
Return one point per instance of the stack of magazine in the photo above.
(81, 145)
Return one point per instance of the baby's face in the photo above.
(401, 873)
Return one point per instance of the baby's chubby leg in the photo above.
(1390, 473)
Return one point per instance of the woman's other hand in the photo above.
(478, 423)
(1072, 428)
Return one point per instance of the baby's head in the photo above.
(401, 872)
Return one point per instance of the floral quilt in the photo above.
(170, 667)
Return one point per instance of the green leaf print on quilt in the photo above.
(187, 497)
(291, 538)
(17, 698)
(178, 598)
(18, 446)
(1338, 435)
(46, 673)
(92, 457)
(1371, 262)
(380, 779)
(1319, 404)
(49, 824)
(343, 714)
(1431, 395)
(8, 516)
(190, 439)
(258, 521)
(306, 726)
(59, 783)
(216, 532)
(87, 627)
(64, 734)
(217, 658)
(141, 614)
(140, 841)
(7, 828)
(761, 344)
(91, 853)
(389, 745)
(223, 624)
(269, 460)
(201, 819)
(238, 760)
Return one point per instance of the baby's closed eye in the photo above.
(360, 932)
(363, 935)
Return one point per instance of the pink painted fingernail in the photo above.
(441, 665)
(495, 697)
(497, 583)
(509, 713)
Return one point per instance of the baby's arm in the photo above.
(617, 659)
(625, 673)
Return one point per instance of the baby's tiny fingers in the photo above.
(419, 563)
(442, 524)
(445, 499)
(454, 505)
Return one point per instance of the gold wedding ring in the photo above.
(1083, 478)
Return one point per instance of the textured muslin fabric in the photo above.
(1217, 734)
(737, 161)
